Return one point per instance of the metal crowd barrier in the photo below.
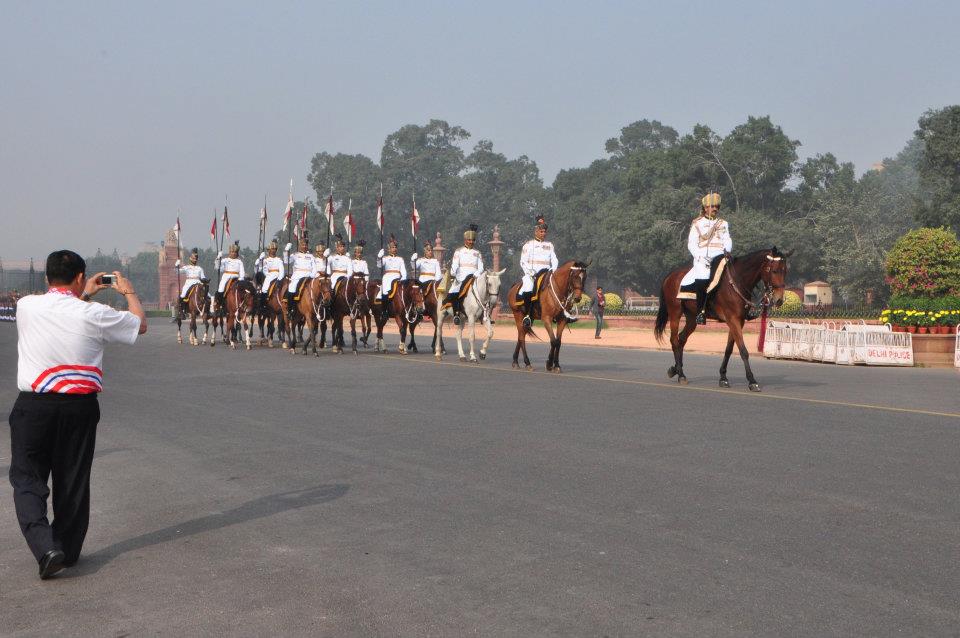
(847, 344)
(8, 313)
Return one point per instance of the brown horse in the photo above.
(351, 301)
(730, 302)
(312, 309)
(406, 307)
(198, 305)
(240, 297)
(559, 293)
(271, 314)
(431, 303)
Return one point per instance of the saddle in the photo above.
(717, 265)
(186, 297)
(538, 280)
(339, 286)
(300, 285)
(393, 289)
(464, 289)
(271, 288)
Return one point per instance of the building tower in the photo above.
(168, 291)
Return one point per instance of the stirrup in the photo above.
(527, 322)
(456, 318)
(702, 318)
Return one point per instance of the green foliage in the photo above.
(791, 302)
(939, 167)
(613, 301)
(925, 262)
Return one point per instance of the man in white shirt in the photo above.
(272, 268)
(232, 267)
(427, 268)
(193, 273)
(709, 237)
(537, 255)
(393, 270)
(359, 264)
(466, 263)
(302, 266)
(53, 424)
(339, 266)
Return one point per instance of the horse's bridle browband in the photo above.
(767, 288)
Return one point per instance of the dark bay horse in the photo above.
(198, 305)
(312, 309)
(240, 299)
(351, 301)
(730, 302)
(559, 293)
(271, 314)
(431, 303)
(406, 308)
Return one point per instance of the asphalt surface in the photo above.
(259, 493)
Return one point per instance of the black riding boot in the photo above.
(183, 308)
(527, 309)
(457, 309)
(289, 296)
(702, 305)
(220, 302)
(384, 308)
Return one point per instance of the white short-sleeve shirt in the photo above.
(60, 341)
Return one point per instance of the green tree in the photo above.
(939, 168)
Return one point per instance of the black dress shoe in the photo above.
(51, 563)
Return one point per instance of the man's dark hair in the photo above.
(63, 266)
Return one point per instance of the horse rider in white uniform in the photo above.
(393, 270)
(709, 237)
(467, 262)
(302, 265)
(232, 267)
(193, 273)
(536, 255)
(272, 268)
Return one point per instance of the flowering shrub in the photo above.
(791, 302)
(925, 263)
(903, 317)
(613, 301)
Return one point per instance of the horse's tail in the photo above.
(662, 315)
(529, 331)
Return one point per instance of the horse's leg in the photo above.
(179, 336)
(412, 346)
(556, 355)
(486, 342)
(353, 333)
(554, 345)
(737, 331)
(460, 342)
(724, 383)
(676, 370)
(473, 337)
(402, 325)
(438, 336)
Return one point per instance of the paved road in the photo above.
(389, 495)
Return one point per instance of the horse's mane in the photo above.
(573, 263)
(756, 254)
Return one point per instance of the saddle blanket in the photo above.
(717, 266)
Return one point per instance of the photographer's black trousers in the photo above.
(53, 434)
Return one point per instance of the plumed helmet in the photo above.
(471, 232)
(541, 223)
(318, 249)
(234, 248)
(392, 241)
(340, 239)
(273, 245)
(710, 199)
(358, 247)
(194, 254)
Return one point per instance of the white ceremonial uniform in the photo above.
(360, 267)
(707, 239)
(465, 262)
(393, 269)
(338, 267)
(304, 265)
(534, 257)
(427, 269)
(232, 269)
(60, 341)
(193, 275)
(272, 269)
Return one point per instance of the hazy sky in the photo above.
(114, 114)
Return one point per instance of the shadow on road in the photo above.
(251, 510)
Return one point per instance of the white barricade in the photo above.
(853, 343)
(956, 349)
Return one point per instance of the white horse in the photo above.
(478, 304)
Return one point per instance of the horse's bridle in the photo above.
(768, 288)
(355, 305)
(485, 303)
(568, 300)
(410, 314)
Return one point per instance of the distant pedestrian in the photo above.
(53, 424)
(597, 306)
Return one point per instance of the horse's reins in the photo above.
(569, 299)
(485, 304)
(767, 288)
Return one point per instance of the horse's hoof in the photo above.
(529, 368)
(356, 352)
(671, 372)
(557, 370)
(473, 360)
(462, 359)
(515, 365)
(682, 381)
(724, 383)
(283, 345)
(270, 344)
(483, 356)
(233, 346)
(438, 357)
(754, 387)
